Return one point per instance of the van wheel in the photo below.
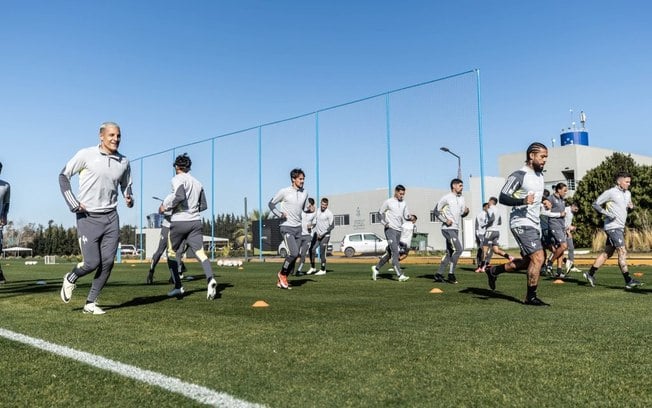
(283, 253)
(349, 252)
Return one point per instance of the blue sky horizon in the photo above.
(175, 72)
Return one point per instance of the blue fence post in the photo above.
(480, 138)
(389, 144)
(212, 199)
(260, 192)
(317, 197)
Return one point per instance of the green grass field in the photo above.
(332, 341)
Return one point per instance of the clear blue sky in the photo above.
(173, 72)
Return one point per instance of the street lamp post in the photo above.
(459, 161)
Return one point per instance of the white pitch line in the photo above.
(192, 391)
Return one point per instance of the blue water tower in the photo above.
(580, 137)
(574, 136)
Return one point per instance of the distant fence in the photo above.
(377, 141)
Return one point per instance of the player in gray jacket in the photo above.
(5, 193)
(614, 205)
(450, 210)
(324, 222)
(523, 191)
(393, 213)
(293, 202)
(186, 201)
(102, 171)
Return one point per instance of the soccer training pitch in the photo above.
(332, 341)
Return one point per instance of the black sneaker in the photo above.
(491, 278)
(590, 278)
(150, 278)
(451, 278)
(535, 301)
(439, 278)
(299, 273)
(633, 283)
(2, 278)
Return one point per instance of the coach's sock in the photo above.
(593, 270)
(531, 292)
(558, 271)
(627, 277)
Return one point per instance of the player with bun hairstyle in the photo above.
(523, 191)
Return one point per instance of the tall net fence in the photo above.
(371, 143)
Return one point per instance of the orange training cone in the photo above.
(558, 281)
(436, 290)
(638, 274)
(260, 303)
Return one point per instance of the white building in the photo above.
(357, 212)
(566, 164)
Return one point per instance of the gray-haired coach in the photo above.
(102, 170)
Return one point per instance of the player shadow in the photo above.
(299, 282)
(148, 300)
(137, 301)
(388, 275)
(15, 288)
(430, 276)
(577, 281)
(637, 290)
(305, 275)
(186, 278)
(486, 294)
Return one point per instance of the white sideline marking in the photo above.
(192, 391)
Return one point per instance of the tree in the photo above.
(238, 235)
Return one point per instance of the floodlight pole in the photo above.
(459, 161)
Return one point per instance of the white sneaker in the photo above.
(212, 289)
(66, 289)
(374, 272)
(93, 308)
(403, 278)
(176, 292)
(321, 273)
(311, 271)
(574, 269)
(569, 265)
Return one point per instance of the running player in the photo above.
(480, 227)
(293, 201)
(307, 222)
(102, 170)
(557, 227)
(5, 193)
(569, 262)
(324, 224)
(614, 204)
(523, 192)
(393, 213)
(450, 210)
(186, 201)
(491, 243)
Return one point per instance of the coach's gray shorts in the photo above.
(528, 239)
(616, 238)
